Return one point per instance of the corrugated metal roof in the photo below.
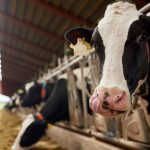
(31, 31)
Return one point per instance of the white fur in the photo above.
(25, 124)
(28, 86)
(113, 29)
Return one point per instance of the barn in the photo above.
(76, 74)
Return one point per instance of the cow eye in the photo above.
(142, 37)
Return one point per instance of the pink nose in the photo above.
(108, 100)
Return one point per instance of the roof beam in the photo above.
(16, 75)
(6, 65)
(5, 57)
(16, 50)
(14, 69)
(32, 27)
(27, 61)
(19, 64)
(7, 78)
(25, 41)
(50, 8)
(18, 79)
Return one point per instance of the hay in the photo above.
(9, 128)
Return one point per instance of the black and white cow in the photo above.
(34, 127)
(55, 109)
(121, 42)
(15, 99)
(37, 93)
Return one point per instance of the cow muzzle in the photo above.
(109, 101)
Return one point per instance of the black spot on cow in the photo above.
(33, 133)
(34, 96)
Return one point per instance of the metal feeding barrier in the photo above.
(78, 113)
(129, 131)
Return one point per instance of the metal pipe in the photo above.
(59, 69)
(145, 8)
(84, 95)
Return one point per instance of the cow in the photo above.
(121, 41)
(34, 127)
(31, 95)
(37, 93)
(15, 99)
(56, 109)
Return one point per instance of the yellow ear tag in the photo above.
(49, 125)
(82, 47)
(20, 91)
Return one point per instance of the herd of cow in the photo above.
(122, 41)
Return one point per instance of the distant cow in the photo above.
(121, 42)
(15, 99)
(55, 109)
(31, 95)
(37, 93)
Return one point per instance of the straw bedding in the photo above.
(9, 127)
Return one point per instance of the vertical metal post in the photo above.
(75, 110)
(84, 95)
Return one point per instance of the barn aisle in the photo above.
(9, 127)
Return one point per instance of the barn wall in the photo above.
(0, 87)
(10, 86)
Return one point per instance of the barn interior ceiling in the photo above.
(31, 32)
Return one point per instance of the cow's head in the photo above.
(15, 99)
(33, 95)
(31, 131)
(120, 40)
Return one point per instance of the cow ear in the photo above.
(146, 21)
(73, 34)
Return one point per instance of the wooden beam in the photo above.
(15, 69)
(25, 41)
(18, 79)
(9, 80)
(27, 61)
(50, 8)
(18, 62)
(15, 75)
(7, 65)
(94, 8)
(32, 27)
(16, 50)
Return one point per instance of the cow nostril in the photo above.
(119, 97)
(105, 103)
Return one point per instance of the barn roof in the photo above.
(31, 32)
